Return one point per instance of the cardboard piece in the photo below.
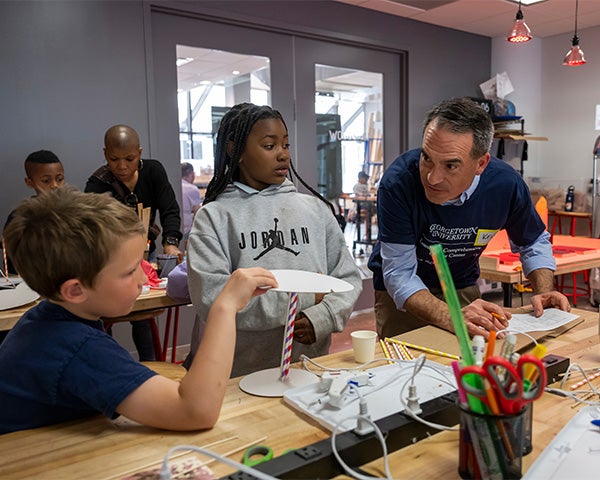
(444, 341)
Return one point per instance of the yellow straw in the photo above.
(424, 349)
(385, 351)
(5, 259)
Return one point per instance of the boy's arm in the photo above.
(195, 403)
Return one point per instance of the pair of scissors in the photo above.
(512, 386)
(257, 454)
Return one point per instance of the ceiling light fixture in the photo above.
(520, 31)
(574, 56)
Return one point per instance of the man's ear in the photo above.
(29, 183)
(482, 162)
(73, 291)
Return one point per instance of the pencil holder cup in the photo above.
(527, 428)
(165, 264)
(490, 446)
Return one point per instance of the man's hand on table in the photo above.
(481, 317)
(548, 300)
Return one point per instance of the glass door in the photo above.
(209, 82)
(352, 98)
(348, 109)
(353, 95)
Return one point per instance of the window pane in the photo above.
(209, 82)
(349, 106)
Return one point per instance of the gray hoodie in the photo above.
(276, 228)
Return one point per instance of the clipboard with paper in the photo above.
(557, 323)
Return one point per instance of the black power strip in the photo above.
(317, 460)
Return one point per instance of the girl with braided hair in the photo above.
(253, 215)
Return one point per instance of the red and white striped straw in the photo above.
(583, 382)
(288, 337)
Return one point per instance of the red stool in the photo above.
(160, 351)
(560, 285)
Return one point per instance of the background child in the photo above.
(68, 366)
(191, 200)
(253, 215)
(44, 173)
(361, 188)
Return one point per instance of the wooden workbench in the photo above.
(490, 269)
(148, 301)
(97, 448)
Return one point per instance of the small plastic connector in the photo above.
(412, 401)
(363, 427)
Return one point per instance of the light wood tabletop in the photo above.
(99, 448)
(154, 299)
(492, 271)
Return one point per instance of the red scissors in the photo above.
(512, 386)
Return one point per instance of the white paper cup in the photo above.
(363, 343)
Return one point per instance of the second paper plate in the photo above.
(300, 281)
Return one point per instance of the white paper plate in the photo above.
(17, 297)
(300, 281)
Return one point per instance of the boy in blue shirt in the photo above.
(69, 367)
(44, 172)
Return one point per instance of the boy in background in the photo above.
(69, 368)
(361, 188)
(44, 173)
(191, 199)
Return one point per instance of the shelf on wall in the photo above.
(513, 136)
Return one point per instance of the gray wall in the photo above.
(71, 69)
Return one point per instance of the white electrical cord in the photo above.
(379, 435)
(509, 330)
(306, 361)
(572, 395)
(576, 393)
(165, 471)
(419, 364)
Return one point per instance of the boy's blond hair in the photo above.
(67, 234)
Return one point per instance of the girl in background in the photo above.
(253, 216)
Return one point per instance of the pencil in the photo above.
(489, 351)
(498, 316)
(424, 349)
(496, 411)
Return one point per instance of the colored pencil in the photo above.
(489, 352)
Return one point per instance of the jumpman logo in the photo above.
(273, 241)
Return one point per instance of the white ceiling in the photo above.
(492, 18)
